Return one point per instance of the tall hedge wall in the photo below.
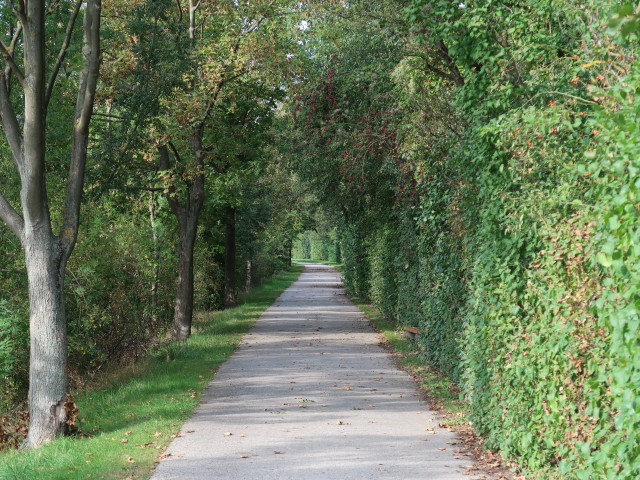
(512, 239)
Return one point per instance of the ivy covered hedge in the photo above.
(503, 218)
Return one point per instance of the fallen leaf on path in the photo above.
(278, 453)
(228, 434)
(345, 387)
(241, 435)
(442, 448)
(245, 456)
(190, 431)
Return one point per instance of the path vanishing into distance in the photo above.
(311, 395)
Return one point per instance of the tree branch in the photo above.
(455, 75)
(163, 162)
(10, 122)
(62, 54)
(20, 11)
(175, 152)
(7, 53)
(13, 220)
(12, 47)
(84, 110)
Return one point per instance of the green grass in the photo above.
(127, 424)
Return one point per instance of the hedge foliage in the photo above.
(484, 180)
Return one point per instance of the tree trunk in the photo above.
(187, 215)
(248, 281)
(230, 258)
(183, 312)
(156, 257)
(48, 328)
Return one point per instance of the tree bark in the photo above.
(230, 258)
(183, 312)
(48, 328)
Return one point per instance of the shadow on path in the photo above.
(310, 395)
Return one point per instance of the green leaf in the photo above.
(604, 259)
(625, 10)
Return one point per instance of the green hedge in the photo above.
(513, 238)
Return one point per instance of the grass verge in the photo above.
(443, 394)
(127, 424)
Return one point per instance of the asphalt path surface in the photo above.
(311, 395)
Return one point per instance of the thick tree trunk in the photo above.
(230, 258)
(45, 254)
(183, 312)
(47, 372)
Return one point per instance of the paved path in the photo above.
(310, 395)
